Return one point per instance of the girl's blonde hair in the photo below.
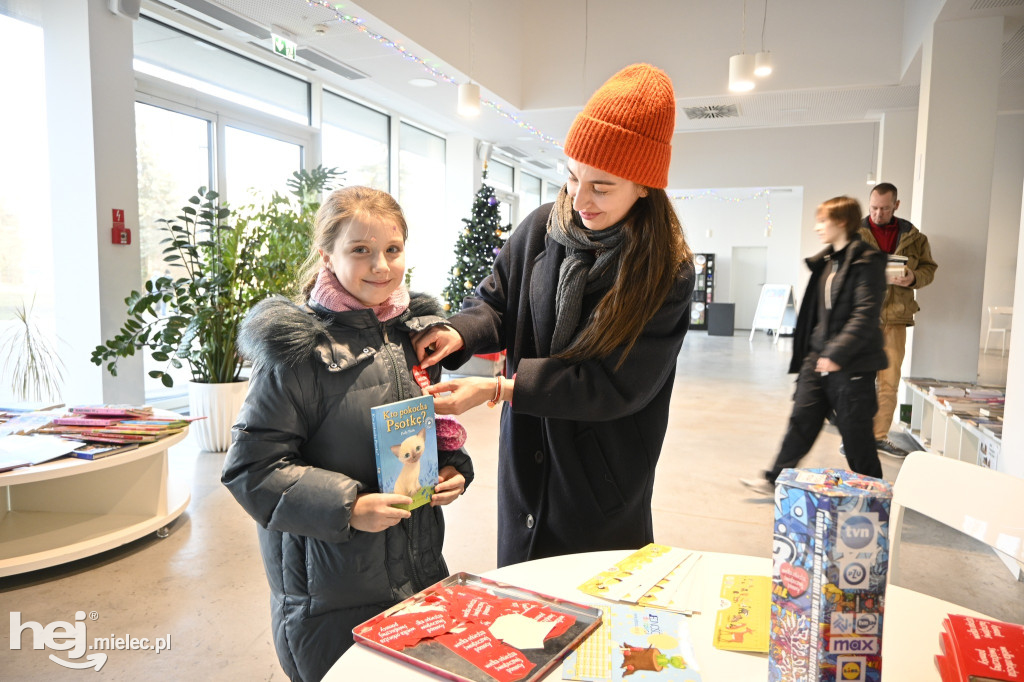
(334, 215)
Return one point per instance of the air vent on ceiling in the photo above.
(510, 151)
(212, 11)
(712, 111)
(323, 61)
(543, 165)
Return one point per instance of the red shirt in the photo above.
(885, 235)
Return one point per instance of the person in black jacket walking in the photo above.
(590, 298)
(837, 346)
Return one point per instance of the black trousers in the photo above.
(852, 396)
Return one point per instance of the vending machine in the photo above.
(703, 289)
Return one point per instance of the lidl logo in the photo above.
(851, 668)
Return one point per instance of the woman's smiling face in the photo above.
(601, 199)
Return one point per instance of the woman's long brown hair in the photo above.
(652, 253)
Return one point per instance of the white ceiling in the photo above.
(539, 60)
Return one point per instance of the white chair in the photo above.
(999, 319)
(982, 503)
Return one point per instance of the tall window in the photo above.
(421, 191)
(257, 166)
(356, 140)
(531, 194)
(173, 153)
(26, 259)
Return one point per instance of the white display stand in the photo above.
(71, 508)
(936, 430)
(776, 308)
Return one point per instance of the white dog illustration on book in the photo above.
(409, 453)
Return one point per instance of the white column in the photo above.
(952, 189)
(1011, 455)
(897, 140)
(90, 94)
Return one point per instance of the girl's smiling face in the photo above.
(368, 258)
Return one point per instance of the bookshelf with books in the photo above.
(74, 507)
(957, 419)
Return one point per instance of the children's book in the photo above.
(405, 445)
(744, 621)
(20, 451)
(101, 450)
(635, 643)
(984, 650)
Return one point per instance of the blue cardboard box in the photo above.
(831, 558)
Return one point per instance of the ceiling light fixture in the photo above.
(763, 59)
(469, 92)
(469, 100)
(741, 66)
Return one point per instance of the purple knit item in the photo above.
(451, 435)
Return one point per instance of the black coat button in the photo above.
(538, 457)
(529, 520)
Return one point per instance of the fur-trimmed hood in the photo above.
(278, 331)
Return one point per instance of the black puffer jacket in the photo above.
(854, 337)
(303, 450)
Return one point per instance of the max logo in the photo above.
(853, 645)
(59, 636)
(857, 532)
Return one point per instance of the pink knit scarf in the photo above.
(328, 292)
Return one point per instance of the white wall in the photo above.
(1004, 214)
(826, 161)
(737, 217)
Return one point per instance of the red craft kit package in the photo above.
(981, 650)
(472, 629)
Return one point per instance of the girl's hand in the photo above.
(435, 344)
(463, 394)
(450, 485)
(372, 512)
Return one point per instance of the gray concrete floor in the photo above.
(204, 585)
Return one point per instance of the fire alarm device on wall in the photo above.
(119, 234)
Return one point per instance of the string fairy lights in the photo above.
(765, 194)
(360, 25)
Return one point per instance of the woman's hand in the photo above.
(372, 512)
(450, 485)
(826, 365)
(463, 394)
(435, 344)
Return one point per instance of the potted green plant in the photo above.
(221, 263)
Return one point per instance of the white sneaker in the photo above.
(759, 485)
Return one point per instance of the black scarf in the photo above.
(591, 263)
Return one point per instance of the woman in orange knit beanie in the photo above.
(590, 298)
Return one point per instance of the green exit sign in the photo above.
(283, 46)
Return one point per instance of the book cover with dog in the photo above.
(405, 445)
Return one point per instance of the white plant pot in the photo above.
(220, 404)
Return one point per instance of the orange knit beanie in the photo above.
(626, 128)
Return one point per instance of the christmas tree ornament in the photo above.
(492, 201)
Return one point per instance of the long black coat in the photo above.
(580, 441)
(854, 338)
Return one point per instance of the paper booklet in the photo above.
(656, 575)
(405, 445)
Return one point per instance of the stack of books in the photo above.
(110, 429)
(980, 650)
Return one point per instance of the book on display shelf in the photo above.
(101, 450)
(18, 451)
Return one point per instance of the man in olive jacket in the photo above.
(892, 235)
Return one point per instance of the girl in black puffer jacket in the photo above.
(302, 464)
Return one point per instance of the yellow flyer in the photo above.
(743, 622)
